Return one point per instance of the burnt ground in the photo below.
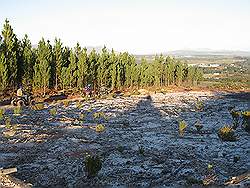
(140, 146)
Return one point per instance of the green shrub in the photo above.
(141, 150)
(53, 112)
(182, 127)
(246, 120)
(93, 165)
(236, 118)
(17, 110)
(199, 105)
(66, 103)
(100, 128)
(120, 148)
(8, 123)
(226, 133)
(198, 126)
(2, 111)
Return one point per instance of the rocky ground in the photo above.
(140, 146)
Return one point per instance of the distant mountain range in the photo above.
(183, 53)
(207, 52)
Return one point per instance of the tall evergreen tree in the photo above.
(43, 66)
(58, 62)
(82, 71)
(28, 61)
(10, 47)
(72, 73)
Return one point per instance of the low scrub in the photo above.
(182, 127)
(93, 165)
(100, 128)
(226, 133)
(246, 120)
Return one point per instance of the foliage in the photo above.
(236, 118)
(59, 67)
(182, 127)
(226, 133)
(82, 116)
(93, 165)
(66, 103)
(199, 105)
(53, 112)
(97, 115)
(8, 122)
(198, 126)
(120, 148)
(246, 120)
(2, 111)
(17, 110)
(100, 128)
(141, 150)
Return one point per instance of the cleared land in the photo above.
(140, 146)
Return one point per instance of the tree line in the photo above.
(59, 67)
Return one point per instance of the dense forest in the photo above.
(59, 67)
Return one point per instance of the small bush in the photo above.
(93, 165)
(78, 104)
(66, 103)
(100, 128)
(17, 110)
(226, 133)
(198, 126)
(120, 148)
(141, 150)
(199, 105)
(8, 123)
(82, 116)
(182, 127)
(53, 111)
(97, 115)
(2, 111)
(236, 118)
(246, 120)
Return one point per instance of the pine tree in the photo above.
(72, 73)
(10, 47)
(3, 72)
(58, 62)
(82, 71)
(28, 61)
(92, 68)
(42, 67)
(103, 68)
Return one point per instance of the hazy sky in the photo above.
(137, 26)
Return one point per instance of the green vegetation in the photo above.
(93, 165)
(100, 128)
(198, 126)
(182, 127)
(226, 133)
(17, 110)
(58, 67)
(8, 122)
(236, 118)
(53, 112)
(246, 120)
(2, 111)
(141, 150)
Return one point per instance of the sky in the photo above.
(136, 26)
